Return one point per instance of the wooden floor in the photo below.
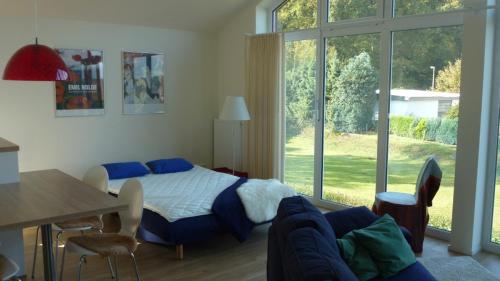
(221, 259)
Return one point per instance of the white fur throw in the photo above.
(261, 198)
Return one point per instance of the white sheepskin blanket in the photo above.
(261, 198)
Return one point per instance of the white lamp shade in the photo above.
(234, 109)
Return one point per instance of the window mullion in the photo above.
(322, 13)
(319, 124)
(384, 104)
(388, 8)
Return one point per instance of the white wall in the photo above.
(231, 52)
(27, 109)
(417, 108)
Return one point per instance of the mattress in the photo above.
(181, 195)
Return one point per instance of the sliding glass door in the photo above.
(351, 119)
(495, 226)
(372, 89)
(424, 100)
(301, 79)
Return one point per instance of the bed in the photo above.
(190, 207)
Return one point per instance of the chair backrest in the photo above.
(97, 177)
(132, 194)
(8, 268)
(430, 168)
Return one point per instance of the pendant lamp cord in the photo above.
(36, 22)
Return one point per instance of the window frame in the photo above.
(385, 23)
(493, 144)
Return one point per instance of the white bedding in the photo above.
(181, 195)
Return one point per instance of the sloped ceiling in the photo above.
(195, 15)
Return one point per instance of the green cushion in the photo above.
(357, 258)
(387, 246)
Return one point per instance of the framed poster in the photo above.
(143, 77)
(84, 94)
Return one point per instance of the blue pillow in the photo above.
(125, 170)
(165, 166)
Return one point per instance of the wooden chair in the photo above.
(112, 244)
(410, 210)
(8, 269)
(96, 177)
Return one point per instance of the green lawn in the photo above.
(350, 166)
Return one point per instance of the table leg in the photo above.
(48, 256)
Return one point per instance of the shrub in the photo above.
(448, 79)
(401, 126)
(447, 132)
(432, 128)
(420, 129)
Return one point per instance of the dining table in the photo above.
(44, 197)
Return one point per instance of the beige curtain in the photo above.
(263, 86)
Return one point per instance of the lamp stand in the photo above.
(234, 147)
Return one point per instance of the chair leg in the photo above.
(35, 253)
(58, 238)
(111, 268)
(82, 260)
(115, 261)
(132, 256)
(179, 252)
(62, 264)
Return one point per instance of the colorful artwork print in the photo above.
(84, 94)
(143, 83)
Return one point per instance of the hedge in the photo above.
(430, 129)
(447, 132)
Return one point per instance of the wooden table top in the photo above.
(7, 146)
(49, 196)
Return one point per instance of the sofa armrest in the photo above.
(350, 219)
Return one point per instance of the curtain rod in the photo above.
(260, 34)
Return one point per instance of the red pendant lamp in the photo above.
(36, 62)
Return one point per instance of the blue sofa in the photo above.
(302, 244)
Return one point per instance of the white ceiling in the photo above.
(195, 15)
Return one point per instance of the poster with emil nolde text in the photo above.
(84, 94)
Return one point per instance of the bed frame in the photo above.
(156, 229)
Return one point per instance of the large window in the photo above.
(495, 231)
(424, 104)
(373, 89)
(295, 15)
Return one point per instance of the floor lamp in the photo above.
(234, 109)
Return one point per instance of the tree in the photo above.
(453, 112)
(448, 79)
(300, 89)
(297, 14)
(351, 9)
(354, 96)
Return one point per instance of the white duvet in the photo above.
(181, 195)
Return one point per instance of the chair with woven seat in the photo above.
(410, 210)
(112, 244)
(96, 177)
(8, 269)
